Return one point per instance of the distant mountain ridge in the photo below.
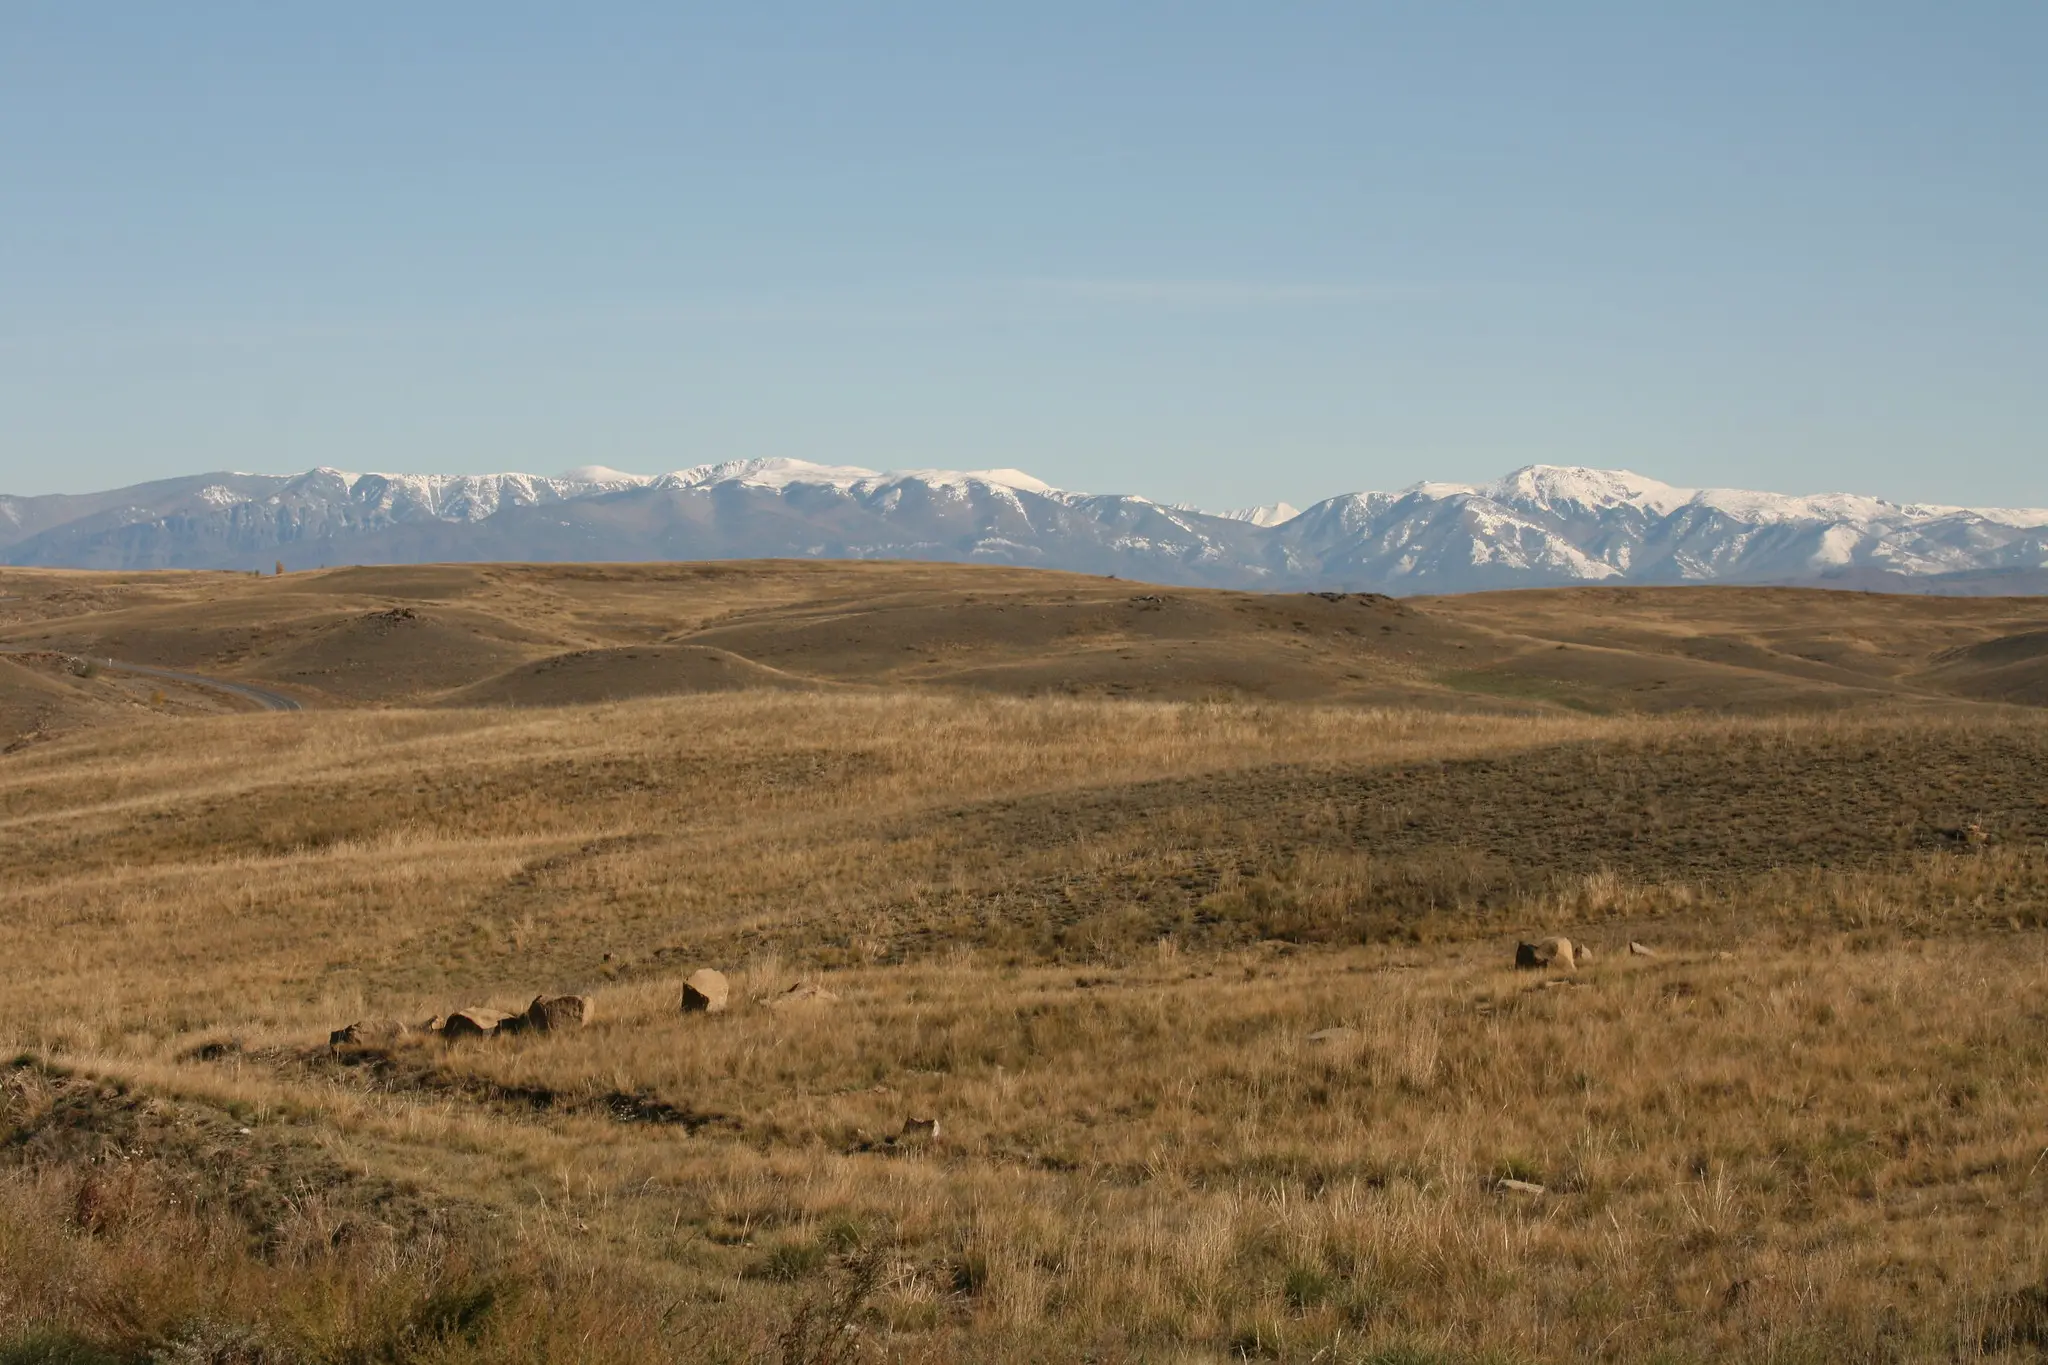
(1543, 525)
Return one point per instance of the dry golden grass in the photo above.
(303, 861)
(1093, 938)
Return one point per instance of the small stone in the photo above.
(367, 1033)
(1505, 1186)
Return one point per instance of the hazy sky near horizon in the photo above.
(1217, 252)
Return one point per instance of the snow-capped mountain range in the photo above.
(1543, 525)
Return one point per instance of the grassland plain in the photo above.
(1091, 928)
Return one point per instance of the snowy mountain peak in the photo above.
(1550, 485)
(1008, 478)
(602, 474)
(1566, 486)
(766, 473)
(1266, 514)
(785, 473)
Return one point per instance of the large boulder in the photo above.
(550, 1012)
(1552, 953)
(474, 1022)
(368, 1033)
(706, 992)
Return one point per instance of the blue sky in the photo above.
(1217, 252)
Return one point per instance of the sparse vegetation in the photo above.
(1093, 937)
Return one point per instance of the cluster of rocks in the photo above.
(547, 1014)
(705, 992)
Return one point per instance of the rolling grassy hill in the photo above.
(1190, 916)
(543, 635)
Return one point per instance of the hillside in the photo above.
(456, 635)
(1063, 1022)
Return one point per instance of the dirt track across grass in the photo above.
(264, 698)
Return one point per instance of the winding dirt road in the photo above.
(263, 697)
